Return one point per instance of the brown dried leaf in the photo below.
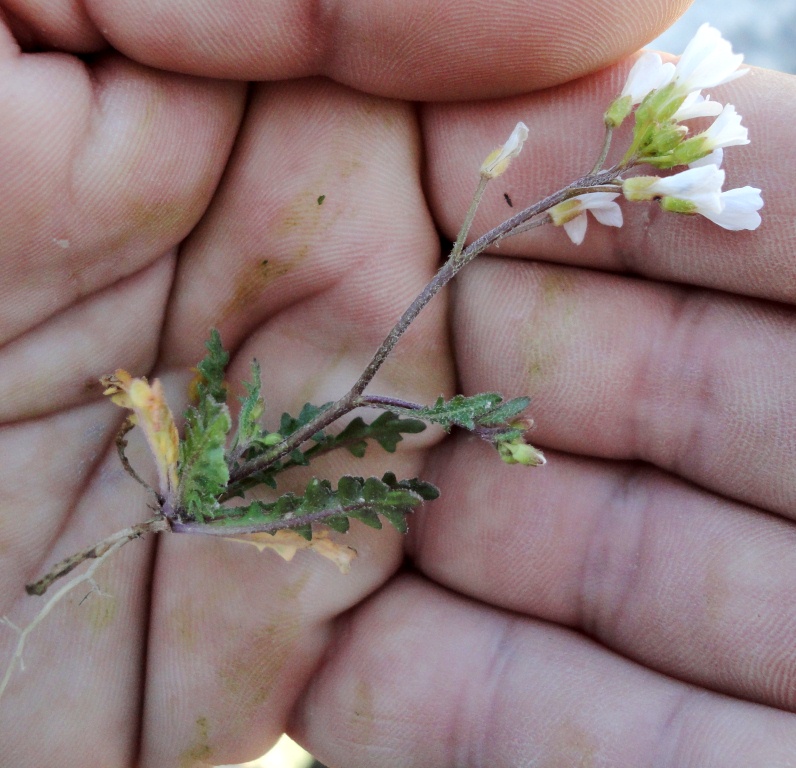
(153, 415)
(286, 543)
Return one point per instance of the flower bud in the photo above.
(519, 452)
(272, 438)
(497, 161)
(618, 111)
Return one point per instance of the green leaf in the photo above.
(251, 411)
(426, 491)
(387, 430)
(203, 468)
(361, 499)
(505, 412)
(288, 425)
(211, 369)
(486, 409)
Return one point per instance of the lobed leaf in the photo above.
(361, 499)
(203, 469)
(210, 370)
(487, 409)
(251, 411)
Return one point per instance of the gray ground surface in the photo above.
(764, 31)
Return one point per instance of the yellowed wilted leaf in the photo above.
(286, 543)
(153, 415)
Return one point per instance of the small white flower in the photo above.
(497, 161)
(696, 105)
(648, 74)
(699, 189)
(707, 61)
(739, 209)
(571, 214)
(726, 130)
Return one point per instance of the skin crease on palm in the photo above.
(633, 603)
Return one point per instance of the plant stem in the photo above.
(381, 401)
(468, 219)
(99, 551)
(270, 526)
(609, 132)
(600, 181)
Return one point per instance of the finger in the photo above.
(64, 491)
(566, 133)
(61, 24)
(624, 369)
(691, 585)
(127, 173)
(90, 215)
(413, 50)
(421, 677)
(303, 237)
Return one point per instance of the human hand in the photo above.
(657, 537)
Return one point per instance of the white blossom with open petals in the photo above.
(571, 214)
(707, 61)
(698, 188)
(726, 130)
(739, 209)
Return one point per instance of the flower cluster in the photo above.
(664, 95)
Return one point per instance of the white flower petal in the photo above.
(707, 61)
(498, 161)
(610, 215)
(739, 209)
(726, 130)
(696, 105)
(602, 205)
(701, 186)
(576, 228)
(716, 157)
(649, 73)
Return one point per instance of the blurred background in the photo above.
(764, 32)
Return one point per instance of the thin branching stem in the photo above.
(96, 551)
(609, 132)
(601, 181)
(100, 553)
(271, 526)
(382, 401)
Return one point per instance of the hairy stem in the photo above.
(381, 401)
(609, 132)
(100, 553)
(271, 526)
(593, 182)
(96, 551)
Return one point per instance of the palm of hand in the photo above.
(657, 537)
